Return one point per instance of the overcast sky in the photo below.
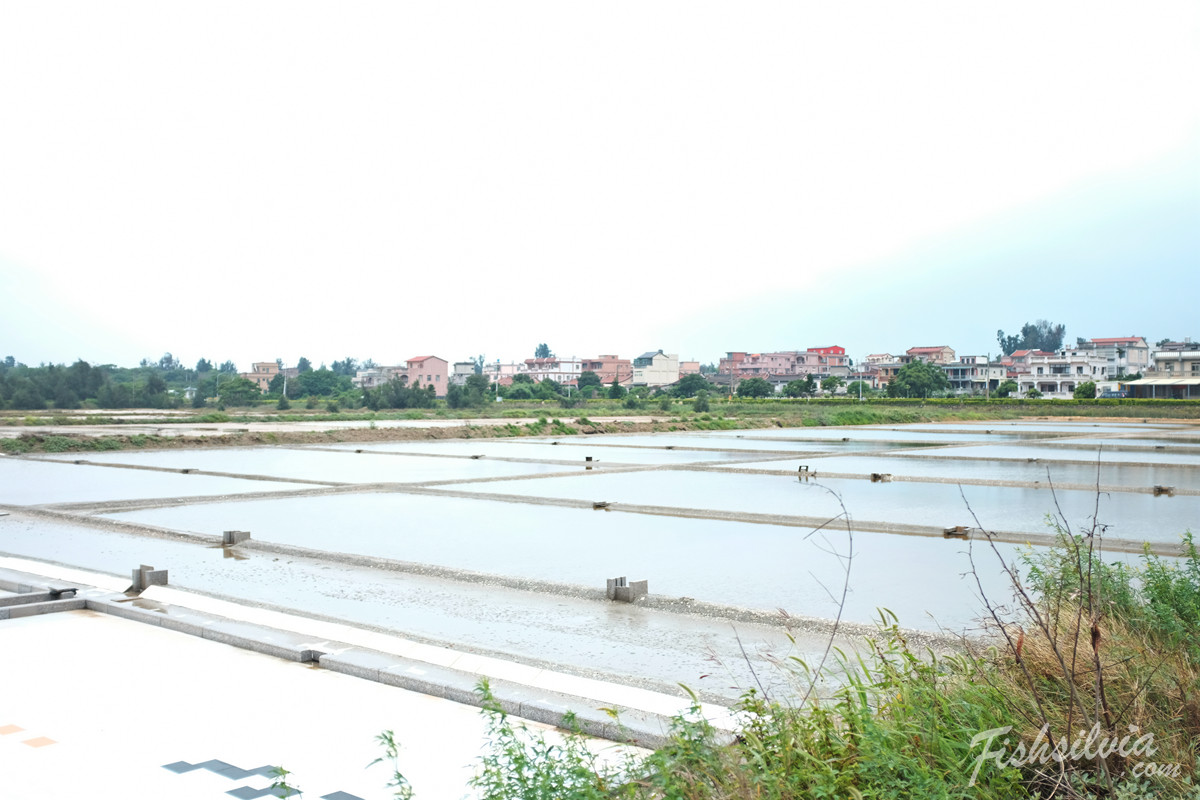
(252, 180)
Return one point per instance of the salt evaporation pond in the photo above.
(26, 481)
(1139, 517)
(572, 449)
(1049, 453)
(709, 560)
(1134, 476)
(324, 465)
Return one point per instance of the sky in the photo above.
(252, 181)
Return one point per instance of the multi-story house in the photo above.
(560, 370)
(1057, 374)
(1126, 355)
(461, 371)
(1176, 373)
(497, 372)
(261, 373)
(932, 355)
(609, 367)
(974, 374)
(378, 376)
(789, 364)
(655, 369)
(429, 371)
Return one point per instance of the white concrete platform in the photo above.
(94, 706)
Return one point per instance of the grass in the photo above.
(1091, 644)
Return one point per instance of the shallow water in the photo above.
(324, 465)
(33, 482)
(1086, 454)
(571, 449)
(1140, 517)
(732, 563)
(950, 469)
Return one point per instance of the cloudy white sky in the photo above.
(259, 180)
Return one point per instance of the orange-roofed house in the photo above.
(931, 355)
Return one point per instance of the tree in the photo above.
(456, 396)
(543, 351)
(917, 379)
(323, 382)
(228, 367)
(347, 367)
(478, 362)
(478, 383)
(304, 365)
(831, 384)
(615, 390)
(689, 385)
(204, 365)
(701, 404)
(1040, 335)
(1006, 388)
(1033, 393)
(754, 387)
(1085, 391)
(856, 387)
(240, 392)
(708, 369)
(588, 378)
(796, 388)
(519, 391)
(522, 377)
(549, 390)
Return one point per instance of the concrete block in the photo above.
(125, 610)
(260, 639)
(49, 607)
(229, 538)
(417, 676)
(358, 663)
(26, 598)
(625, 591)
(190, 626)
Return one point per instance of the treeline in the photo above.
(167, 383)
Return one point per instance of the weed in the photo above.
(401, 788)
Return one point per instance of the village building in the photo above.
(655, 369)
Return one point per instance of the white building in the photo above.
(501, 373)
(656, 369)
(560, 370)
(461, 371)
(1126, 355)
(378, 376)
(1057, 374)
(974, 374)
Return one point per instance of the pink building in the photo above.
(785, 364)
(609, 367)
(429, 371)
(931, 355)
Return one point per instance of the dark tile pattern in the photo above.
(237, 773)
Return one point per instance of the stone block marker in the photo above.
(145, 576)
(626, 591)
(230, 538)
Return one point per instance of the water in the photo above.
(1110, 474)
(707, 559)
(1139, 517)
(1084, 454)
(325, 465)
(33, 482)
(569, 450)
